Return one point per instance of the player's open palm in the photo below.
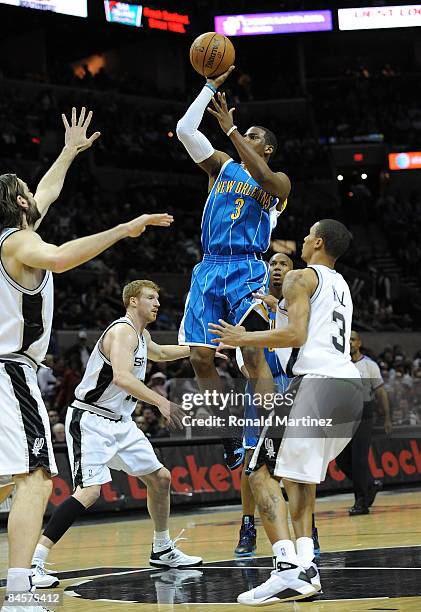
(137, 226)
(75, 135)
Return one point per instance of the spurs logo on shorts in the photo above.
(38, 446)
(270, 450)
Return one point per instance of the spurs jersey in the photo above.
(26, 315)
(96, 387)
(326, 351)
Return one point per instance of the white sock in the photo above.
(305, 551)
(284, 551)
(40, 554)
(18, 579)
(161, 540)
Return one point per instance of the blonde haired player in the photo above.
(101, 434)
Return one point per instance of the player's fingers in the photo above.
(215, 340)
(223, 101)
(212, 112)
(88, 120)
(215, 326)
(94, 137)
(65, 122)
(224, 323)
(227, 73)
(216, 332)
(216, 105)
(82, 116)
(221, 356)
(259, 296)
(161, 217)
(74, 118)
(231, 111)
(175, 420)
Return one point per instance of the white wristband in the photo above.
(230, 131)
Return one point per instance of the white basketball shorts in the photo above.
(300, 440)
(97, 444)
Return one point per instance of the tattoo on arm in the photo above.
(296, 285)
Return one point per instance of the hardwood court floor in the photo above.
(114, 556)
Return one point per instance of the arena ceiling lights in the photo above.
(380, 17)
(77, 8)
(273, 23)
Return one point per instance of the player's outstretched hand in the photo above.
(173, 414)
(222, 347)
(75, 135)
(218, 81)
(221, 112)
(231, 335)
(137, 226)
(269, 300)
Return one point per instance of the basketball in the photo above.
(212, 54)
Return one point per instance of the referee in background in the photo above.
(353, 460)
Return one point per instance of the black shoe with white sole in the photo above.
(173, 558)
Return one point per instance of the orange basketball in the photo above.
(212, 54)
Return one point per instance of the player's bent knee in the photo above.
(88, 495)
(162, 481)
(201, 358)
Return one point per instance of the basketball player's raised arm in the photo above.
(276, 183)
(197, 145)
(165, 352)
(28, 248)
(298, 287)
(75, 141)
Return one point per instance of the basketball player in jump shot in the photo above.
(26, 287)
(327, 385)
(101, 434)
(240, 212)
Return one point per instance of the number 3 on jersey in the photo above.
(339, 342)
(239, 202)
